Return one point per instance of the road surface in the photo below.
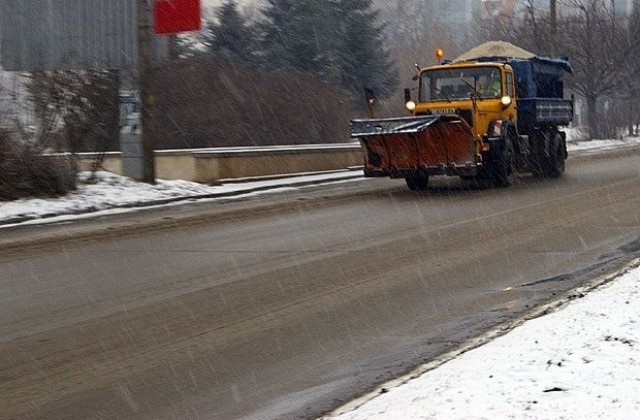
(285, 306)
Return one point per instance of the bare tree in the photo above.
(598, 43)
(630, 89)
(77, 110)
(24, 170)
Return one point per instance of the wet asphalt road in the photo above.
(284, 306)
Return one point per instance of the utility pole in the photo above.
(554, 27)
(147, 98)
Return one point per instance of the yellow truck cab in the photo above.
(478, 92)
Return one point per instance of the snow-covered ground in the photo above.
(581, 361)
(111, 193)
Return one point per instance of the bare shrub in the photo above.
(210, 103)
(81, 106)
(25, 172)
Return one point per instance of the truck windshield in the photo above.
(458, 83)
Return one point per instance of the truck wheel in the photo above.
(536, 164)
(555, 164)
(417, 183)
(503, 167)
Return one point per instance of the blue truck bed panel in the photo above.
(537, 77)
(540, 91)
(536, 111)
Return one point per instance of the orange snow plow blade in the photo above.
(432, 145)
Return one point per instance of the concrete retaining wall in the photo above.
(211, 165)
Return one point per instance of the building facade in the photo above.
(516, 8)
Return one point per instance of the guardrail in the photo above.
(210, 165)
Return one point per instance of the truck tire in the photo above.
(538, 157)
(555, 163)
(537, 166)
(503, 167)
(417, 183)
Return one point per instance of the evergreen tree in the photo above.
(295, 35)
(337, 40)
(231, 37)
(366, 63)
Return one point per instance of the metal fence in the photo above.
(68, 34)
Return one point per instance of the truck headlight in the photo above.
(410, 105)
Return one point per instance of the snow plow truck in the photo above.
(492, 112)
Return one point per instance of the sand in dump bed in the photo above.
(495, 49)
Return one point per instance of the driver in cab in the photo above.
(489, 87)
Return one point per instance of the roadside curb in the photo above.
(288, 182)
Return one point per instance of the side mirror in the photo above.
(407, 95)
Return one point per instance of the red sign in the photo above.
(174, 16)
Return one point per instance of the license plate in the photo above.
(444, 111)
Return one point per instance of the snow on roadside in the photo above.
(112, 191)
(599, 145)
(579, 362)
(108, 190)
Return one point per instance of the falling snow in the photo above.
(580, 361)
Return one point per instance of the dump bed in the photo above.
(540, 90)
(537, 111)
